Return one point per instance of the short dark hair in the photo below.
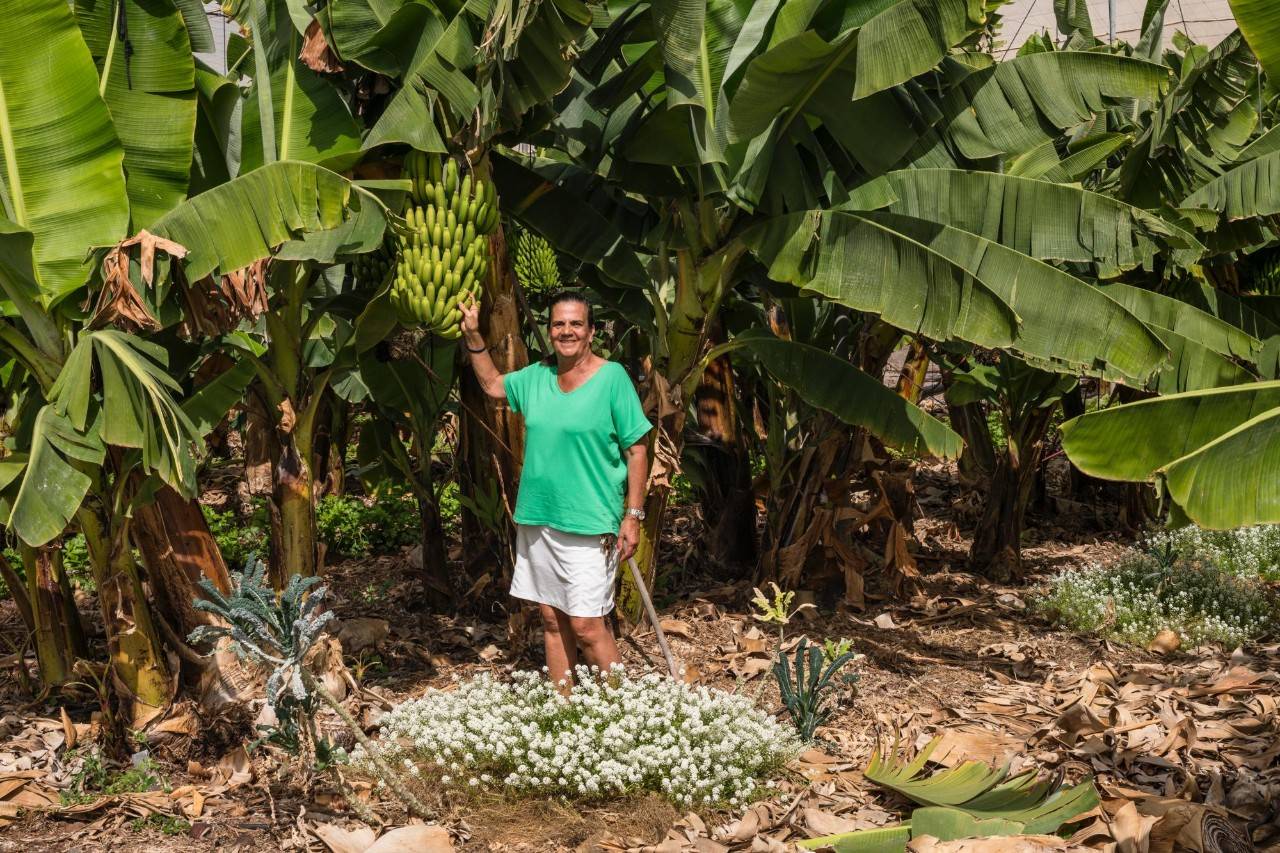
(571, 296)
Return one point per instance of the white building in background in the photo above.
(1205, 21)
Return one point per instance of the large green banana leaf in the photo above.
(53, 486)
(1259, 20)
(1134, 441)
(1250, 190)
(858, 261)
(150, 91)
(1159, 310)
(1062, 89)
(1215, 450)
(62, 174)
(1042, 219)
(243, 221)
(138, 407)
(299, 115)
(1233, 481)
(830, 383)
(1062, 318)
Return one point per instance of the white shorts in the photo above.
(568, 571)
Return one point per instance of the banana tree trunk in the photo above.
(978, 459)
(332, 431)
(17, 586)
(728, 504)
(997, 543)
(59, 638)
(178, 552)
(294, 549)
(701, 283)
(491, 438)
(139, 665)
(914, 369)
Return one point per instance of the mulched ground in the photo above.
(958, 658)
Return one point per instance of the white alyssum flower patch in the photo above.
(1206, 586)
(694, 744)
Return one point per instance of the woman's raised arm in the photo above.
(486, 371)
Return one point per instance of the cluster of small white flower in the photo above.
(1205, 586)
(609, 736)
(1246, 552)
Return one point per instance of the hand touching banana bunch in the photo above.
(444, 258)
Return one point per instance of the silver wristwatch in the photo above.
(637, 514)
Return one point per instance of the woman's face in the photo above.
(570, 333)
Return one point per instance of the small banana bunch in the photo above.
(535, 264)
(370, 269)
(444, 259)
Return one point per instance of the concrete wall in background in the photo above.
(1206, 21)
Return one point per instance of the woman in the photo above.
(584, 431)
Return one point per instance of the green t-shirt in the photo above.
(575, 466)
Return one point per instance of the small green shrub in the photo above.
(352, 528)
(238, 538)
(450, 507)
(163, 823)
(75, 562)
(92, 778)
(1206, 586)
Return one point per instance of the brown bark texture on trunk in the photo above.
(997, 543)
(491, 436)
(728, 502)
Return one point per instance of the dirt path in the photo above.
(958, 659)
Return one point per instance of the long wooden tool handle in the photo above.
(653, 617)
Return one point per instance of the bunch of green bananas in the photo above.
(535, 264)
(1265, 271)
(444, 258)
(370, 269)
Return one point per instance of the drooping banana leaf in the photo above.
(292, 112)
(52, 487)
(1061, 89)
(1062, 318)
(1043, 160)
(1134, 441)
(830, 383)
(62, 175)
(1185, 319)
(853, 259)
(1042, 219)
(231, 226)
(1259, 20)
(1249, 191)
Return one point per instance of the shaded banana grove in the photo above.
(286, 244)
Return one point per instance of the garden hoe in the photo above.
(653, 616)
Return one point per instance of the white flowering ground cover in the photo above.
(1206, 586)
(609, 737)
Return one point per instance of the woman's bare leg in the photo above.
(597, 640)
(559, 643)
